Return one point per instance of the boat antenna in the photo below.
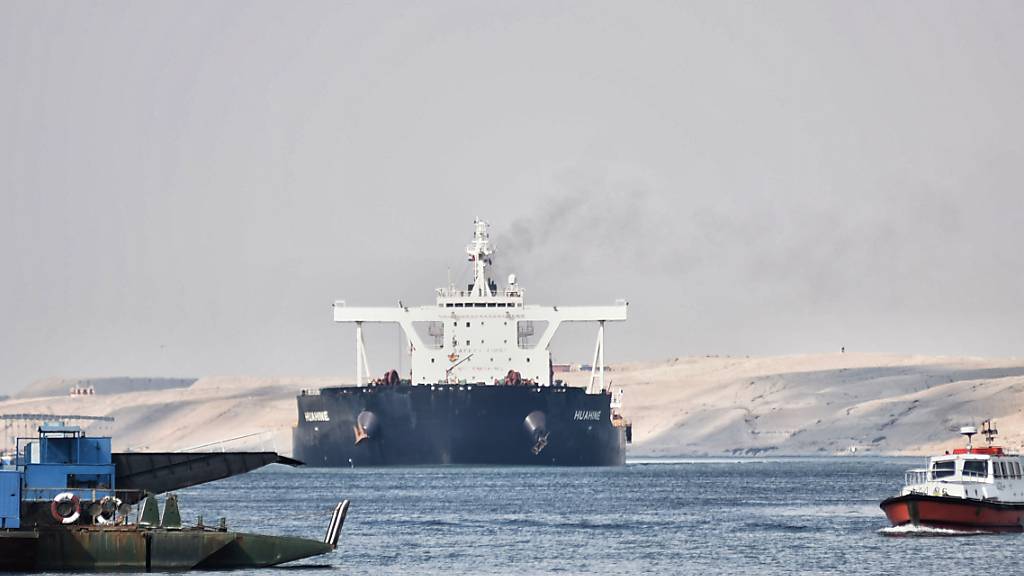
(988, 428)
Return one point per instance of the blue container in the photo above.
(10, 499)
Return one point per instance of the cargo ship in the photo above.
(480, 387)
(973, 489)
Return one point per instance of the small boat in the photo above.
(62, 509)
(974, 489)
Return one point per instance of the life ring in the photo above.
(109, 507)
(65, 508)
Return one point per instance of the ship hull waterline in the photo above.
(953, 513)
(404, 425)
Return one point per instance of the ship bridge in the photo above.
(482, 333)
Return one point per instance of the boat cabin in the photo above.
(986, 473)
(64, 459)
(60, 464)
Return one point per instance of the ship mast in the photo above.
(480, 251)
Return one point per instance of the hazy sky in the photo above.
(188, 186)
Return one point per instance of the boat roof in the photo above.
(987, 450)
(59, 428)
(985, 453)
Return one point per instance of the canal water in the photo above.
(702, 516)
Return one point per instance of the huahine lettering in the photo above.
(318, 416)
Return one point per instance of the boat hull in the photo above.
(953, 513)
(401, 425)
(92, 548)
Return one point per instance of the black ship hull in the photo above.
(400, 425)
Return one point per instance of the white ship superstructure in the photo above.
(480, 334)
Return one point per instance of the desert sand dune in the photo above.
(231, 413)
(818, 404)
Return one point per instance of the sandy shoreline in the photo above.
(817, 404)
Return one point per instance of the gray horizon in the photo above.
(188, 187)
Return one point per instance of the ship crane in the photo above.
(476, 332)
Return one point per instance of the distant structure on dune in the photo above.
(93, 386)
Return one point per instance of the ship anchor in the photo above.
(542, 441)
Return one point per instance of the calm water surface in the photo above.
(784, 516)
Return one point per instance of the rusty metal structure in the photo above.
(67, 503)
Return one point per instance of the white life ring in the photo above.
(55, 508)
(109, 508)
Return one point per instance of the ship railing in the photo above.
(920, 476)
(40, 494)
(454, 293)
(916, 477)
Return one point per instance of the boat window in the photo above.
(998, 470)
(976, 468)
(88, 481)
(1016, 469)
(943, 469)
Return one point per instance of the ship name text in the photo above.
(318, 416)
(587, 415)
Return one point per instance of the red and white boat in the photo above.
(972, 489)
